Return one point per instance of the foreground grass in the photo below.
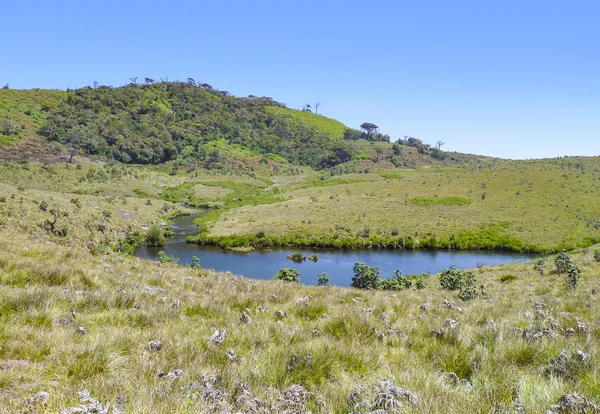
(70, 320)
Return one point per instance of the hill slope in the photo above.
(185, 124)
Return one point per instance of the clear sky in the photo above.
(514, 79)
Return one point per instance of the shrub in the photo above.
(365, 277)
(396, 282)
(323, 279)
(313, 258)
(451, 278)
(296, 257)
(562, 262)
(540, 266)
(165, 258)
(597, 255)
(573, 275)
(421, 281)
(155, 236)
(468, 291)
(195, 264)
(288, 275)
(456, 279)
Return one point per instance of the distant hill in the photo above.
(188, 124)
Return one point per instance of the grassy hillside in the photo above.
(186, 125)
(334, 129)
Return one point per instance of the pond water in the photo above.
(337, 263)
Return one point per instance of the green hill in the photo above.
(188, 124)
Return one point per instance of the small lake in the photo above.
(338, 264)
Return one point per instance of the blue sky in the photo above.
(514, 79)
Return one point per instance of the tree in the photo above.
(149, 81)
(369, 128)
(317, 108)
(307, 108)
(133, 81)
(439, 144)
(5, 86)
(191, 81)
(73, 151)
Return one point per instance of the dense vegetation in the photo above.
(187, 124)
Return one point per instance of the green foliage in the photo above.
(287, 275)
(597, 255)
(131, 241)
(323, 279)
(313, 258)
(468, 289)
(562, 262)
(365, 277)
(397, 282)
(422, 281)
(165, 258)
(297, 257)
(155, 236)
(164, 121)
(451, 278)
(573, 275)
(540, 266)
(195, 264)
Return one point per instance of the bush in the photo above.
(397, 282)
(455, 279)
(421, 281)
(540, 266)
(365, 277)
(451, 278)
(155, 236)
(573, 275)
(297, 257)
(288, 275)
(468, 291)
(323, 279)
(165, 258)
(195, 263)
(562, 262)
(597, 255)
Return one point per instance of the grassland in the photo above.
(539, 205)
(76, 314)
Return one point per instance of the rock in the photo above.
(451, 305)
(279, 314)
(231, 355)
(154, 346)
(41, 397)
(368, 311)
(573, 403)
(569, 332)
(218, 337)
(81, 330)
(263, 308)
(172, 375)
(245, 318)
(304, 300)
(452, 323)
(424, 307)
